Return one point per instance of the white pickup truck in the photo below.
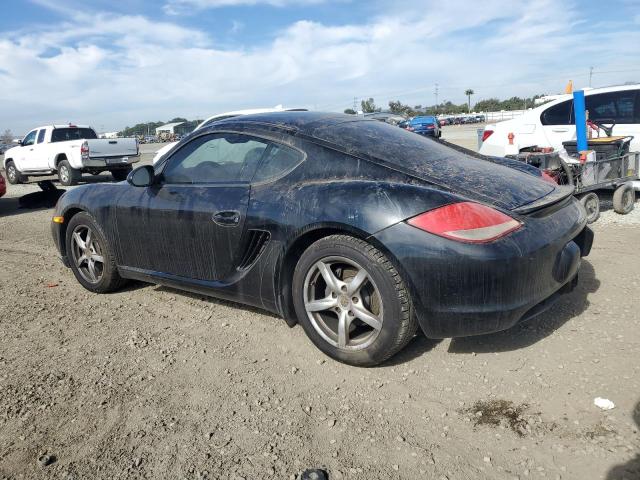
(69, 150)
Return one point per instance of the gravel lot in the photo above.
(154, 383)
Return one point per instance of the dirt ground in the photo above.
(154, 383)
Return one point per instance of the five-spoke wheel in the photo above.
(86, 254)
(342, 303)
(90, 256)
(351, 301)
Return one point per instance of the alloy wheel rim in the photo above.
(87, 254)
(64, 174)
(343, 303)
(11, 173)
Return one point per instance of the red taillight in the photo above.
(431, 127)
(486, 134)
(84, 149)
(466, 222)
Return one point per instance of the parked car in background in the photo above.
(354, 228)
(553, 123)
(222, 116)
(3, 186)
(425, 125)
(69, 150)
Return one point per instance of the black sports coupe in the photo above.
(357, 230)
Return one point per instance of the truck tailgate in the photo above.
(112, 147)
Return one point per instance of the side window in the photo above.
(41, 135)
(618, 106)
(214, 159)
(29, 139)
(277, 160)
(558, 114)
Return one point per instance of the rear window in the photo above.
(72, 133)
(559, 114)
(277, 161)
(424, 121)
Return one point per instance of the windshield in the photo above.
(72, 133)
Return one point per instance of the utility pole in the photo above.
(590, 74)
(355, 104)
(436, 98)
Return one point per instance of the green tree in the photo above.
(369, 106)
(350, 111)
(468, 92)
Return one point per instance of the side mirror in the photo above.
(20, 142)
(142, 176)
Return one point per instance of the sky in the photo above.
(112, 64)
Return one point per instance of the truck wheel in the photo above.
(13, 174)
(121, 174)
(591, 204)
(623, 199)
(67, 174)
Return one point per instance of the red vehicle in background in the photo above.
(3, 186)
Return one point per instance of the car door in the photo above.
(557, 124)
(190, 222)
(25, 153)
(38, 155)
(621, 107)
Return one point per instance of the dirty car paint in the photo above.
(359, 177)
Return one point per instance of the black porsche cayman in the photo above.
(359, 231)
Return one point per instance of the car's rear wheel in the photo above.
(67, 174)
(591, 204)
(351, 301)
(91, 258)
(13, 174)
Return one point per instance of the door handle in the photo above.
(227, 218)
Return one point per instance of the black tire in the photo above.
(14, 176)
(624, 199)
(109, 279)
(591, 204)
(398, 323)
(67, 174)
(121, 174)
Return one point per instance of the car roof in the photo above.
(302, 122)
(588, 92)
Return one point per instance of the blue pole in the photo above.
(581, 120)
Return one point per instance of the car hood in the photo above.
(507, 184)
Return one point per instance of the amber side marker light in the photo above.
(58, 219)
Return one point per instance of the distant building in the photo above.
(109, 135)
(178, 128)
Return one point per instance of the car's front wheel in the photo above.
(91, 257)
(351, 301)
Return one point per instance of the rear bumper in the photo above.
(110, 163)
(461, 289)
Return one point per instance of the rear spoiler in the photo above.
(560, 193)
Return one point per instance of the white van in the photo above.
(553, 123)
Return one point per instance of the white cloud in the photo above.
(176, 7)
(115, 70)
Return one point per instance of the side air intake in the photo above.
(256, 242)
